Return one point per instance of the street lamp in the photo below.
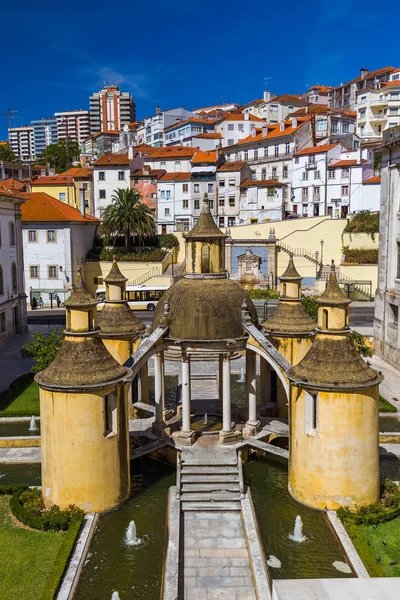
(322, 252)
(316, 262)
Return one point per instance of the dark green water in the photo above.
(388, 424)
(30, 474)
(276, 513)
(17, 428)
(134, 571)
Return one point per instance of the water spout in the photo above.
(242, 378)
(130, 536)
(115, 596)
(32, 424)
(205, 419)
(297, 535)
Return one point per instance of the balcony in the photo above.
(377, 118)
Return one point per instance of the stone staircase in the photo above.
(210, 480)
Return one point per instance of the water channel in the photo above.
(18, 428)
(29, 474)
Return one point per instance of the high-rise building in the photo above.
(111, 109)
(21, 142)
(44, 133)
(73, 124)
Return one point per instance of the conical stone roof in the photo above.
(291, 318)
(333, 295)
(115, 275)
(205, 226)
(291, 272)
(80, 296)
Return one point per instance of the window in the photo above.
(110, 414)
(1, 281)
(287, 148)
(263, 173)
(102, 194)
(231, 221)
(121, 175)
(322, 124)
(273, 107)
(51, 235)
(84, 186)
(32, 235)
(221, 221)
(14, 282)
(34, 271)
(166, 211)
(221, 201)
(177, 165)
(253, 175)
(274, 172)
(331, 173)
(345, 173)
(222, 183)
(394, 314)
(168, 194)
(162, 164)
(11, 232)
(102, 175)
(185, 188)
(285, 172)
(162, 195)
(305, 192)
(310, 414)
(210, 203)
(210, 188)
(246, 155)
(398, 261)
(231, 126)
(53, 271)
(316, 175)
(255, 153)
(196, 204)
(231, 201)
(231, 182)
(316, 192)
(393, 111)
(196, 188)
(296, 160)
(305, 175)
(397, 76)
(230, 142)
(2, 322)
(185, 203)
(345, 190)
(241, 127)
(271, 191)
(277, 150)
(394, 96)
(345, 127)
(237, 156)
(265, 152)
(253, 220)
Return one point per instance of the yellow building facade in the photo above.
(59, 187)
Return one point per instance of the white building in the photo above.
(173, 159)
(228, 107)
(152, 130)
(230, 210)
(110, 172)
(344, 96)
(177, 133)
(73, 124)
(174, 203)
(21, 140)
(236, 127)
(56, 240)
(328, 180)
(261, 201)
(12, 291)
(317, 94)
(378, 108)
(111, 109)
(275, 109)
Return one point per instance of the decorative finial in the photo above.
(246, 319)
(165, 315)
(333, 268)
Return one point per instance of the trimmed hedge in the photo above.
(33, 515)
(155, 255)
(366, 554)
(372, 514)
(361, 256)
(7, 490)
(259, 294)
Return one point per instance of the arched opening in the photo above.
(325, 318)
(284, 289)
(205, 258)
(14, 277)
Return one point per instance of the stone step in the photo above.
(213, 470)
(210, 497)
(207, 506)
(218, 478)
(209, 462)
(210, 487)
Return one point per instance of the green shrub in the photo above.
(259, 294)
(7, 490)
(362, 256)
(44, 348)
(166, 240)
(365, 222)
(156, 255)
(385, 406)
(311, 305)
(387, 509)
(366, 553)
(359, 342)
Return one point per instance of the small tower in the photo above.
(84, 416)
(334, 442)
(290, 329)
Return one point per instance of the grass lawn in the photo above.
(389, 532)
(385, 406)
(21, 399)
(26, 557)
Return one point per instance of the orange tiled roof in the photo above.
(288, 98)
(232, 166)
(213, 114)
(78, 172)
(205, 157)
(53, 180)
(386, 84)
(322, 109)
(113, 159)
(239, 116)
(197, 120)
(372, 180)
(316, 150)
(168, 152)
(42, 207)
(157, 173)
(12, 184)
(7, 192)
(261, 183)
(322, 89)
(368, 76)
(273, 131)
(208, 136)
(175, 177)
(343, 163)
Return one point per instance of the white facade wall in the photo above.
(170, 165)
(234, 131)
(152, 131)
(106, 180)
(370, 196)
(73, 124)
(378, 110)
(21, 140)
(174, 205)
(259, 204)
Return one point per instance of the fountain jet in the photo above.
(32, 424)
(130, 536)
(242, 378)
(115, 596)
(297, 535)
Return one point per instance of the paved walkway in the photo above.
(390, 386)
(20, 455)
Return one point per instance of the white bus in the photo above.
(139, 297)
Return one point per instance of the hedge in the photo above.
(366, 554)
(365, 222)
(361, 256)
(16, 387)
(379, 512)
(155, 255)
(52, 519)
(259, 294)
(7, 490)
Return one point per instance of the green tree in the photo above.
(60, 155)
(311, 306)
(44, 348)
(128, 216)
(6, 153)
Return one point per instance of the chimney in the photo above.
(130, 152)
(158, 110)
(246, 116)
(82, 201)
(363, 73)
(218, 114)
(267, 96)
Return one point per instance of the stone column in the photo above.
(220, 388)
(159, 423)
(143, 384)
(264, 381)
(252, 425)
(186, 435)
(227, 435)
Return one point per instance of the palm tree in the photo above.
(127, 216)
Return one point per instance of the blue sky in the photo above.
(184, 53)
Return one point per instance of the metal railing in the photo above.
(298, 252)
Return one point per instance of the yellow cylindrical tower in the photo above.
(120, 329)
(334, 442)
(84, 416)
(290, 329)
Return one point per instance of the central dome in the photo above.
(204, 309)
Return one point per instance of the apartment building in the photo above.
(21, 141)
(178, 133)
(73, 124)
(44, 134)
(378, 108)
(344, 96)
(230, 209)
(317, 94)
(60, 187)
(145, 180)
(82, 179)
(110, 173)
(172, 159)
(328, 180)
(152, 130)
(236, 127)
(13, 318)
(277, 108)
(111, 109)
(330, 125)
(261, 201)
(175, 204)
